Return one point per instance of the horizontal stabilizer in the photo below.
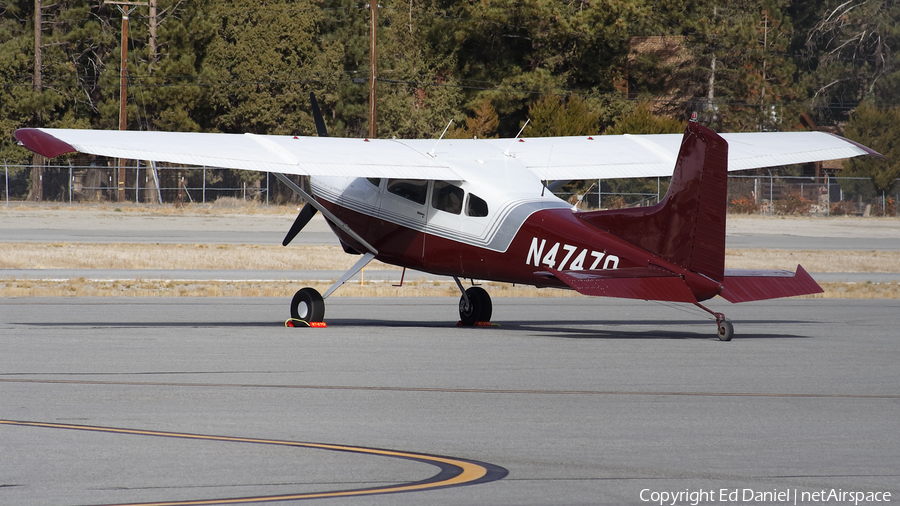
(749, 285)
(635, 283)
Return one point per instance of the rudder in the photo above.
(687, 227)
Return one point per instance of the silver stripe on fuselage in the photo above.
(499, 232)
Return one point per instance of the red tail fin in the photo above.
(687, 227)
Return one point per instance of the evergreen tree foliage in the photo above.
(851, 49)
(641, 120)
(553, 116)
(248, 66)
(483, 125)
(876, 128)
(740, 75)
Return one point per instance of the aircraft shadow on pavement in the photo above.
(580, 329)
(208, 324)
(658, 334)
(657, 329)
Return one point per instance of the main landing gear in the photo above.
(308, 305)
(725, 329)
(474, 305)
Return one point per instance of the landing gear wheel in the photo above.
(308, 305)
(726, 330)
(479, 308)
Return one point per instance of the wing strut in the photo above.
(360, 264)
(325, 212)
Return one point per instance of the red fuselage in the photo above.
(549, 238)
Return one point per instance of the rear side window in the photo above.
(476, 207)
(415, 190)
(447, 197)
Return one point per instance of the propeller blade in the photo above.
(308, 211)
(303, 218)
(317, 116)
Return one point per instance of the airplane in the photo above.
(483, 209)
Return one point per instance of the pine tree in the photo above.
(876, 128)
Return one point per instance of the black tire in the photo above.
(726, 330)
(308, 305)
(480, 307)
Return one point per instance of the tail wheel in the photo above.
(308, 305)
(726, 330)
(479, 308)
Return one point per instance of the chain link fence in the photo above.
(142, 184)
(755, 194)
(167, 184)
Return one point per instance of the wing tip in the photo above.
(43, 143)
(869, 151)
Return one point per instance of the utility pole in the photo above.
(710, 92)
(373, 8)
(123, 85)
(37, 161)
(151, 59)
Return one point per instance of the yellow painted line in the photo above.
(469, 472)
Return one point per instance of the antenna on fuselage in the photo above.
(431, 153)
(545, 181)
(516, 137)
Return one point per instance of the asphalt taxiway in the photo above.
(85, 226)
(581, 401)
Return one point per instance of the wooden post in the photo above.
(37, 161)
(151, 59)
(123, 85)
(373, 7)
(123, 97)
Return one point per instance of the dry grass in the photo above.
(176, 256)
(222, 206)
(154, 288)
(866, 290)
(814, 261)
(256, 257)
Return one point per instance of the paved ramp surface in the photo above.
(581, 401)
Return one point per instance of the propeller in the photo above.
(303, 218)
(317, 116)
(308, 211)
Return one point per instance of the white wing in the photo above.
(549, 158)
(317, 156)
(622, 156)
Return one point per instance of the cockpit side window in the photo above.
(376, 181)
(447, 197)
(476, 206)
(415, 190)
